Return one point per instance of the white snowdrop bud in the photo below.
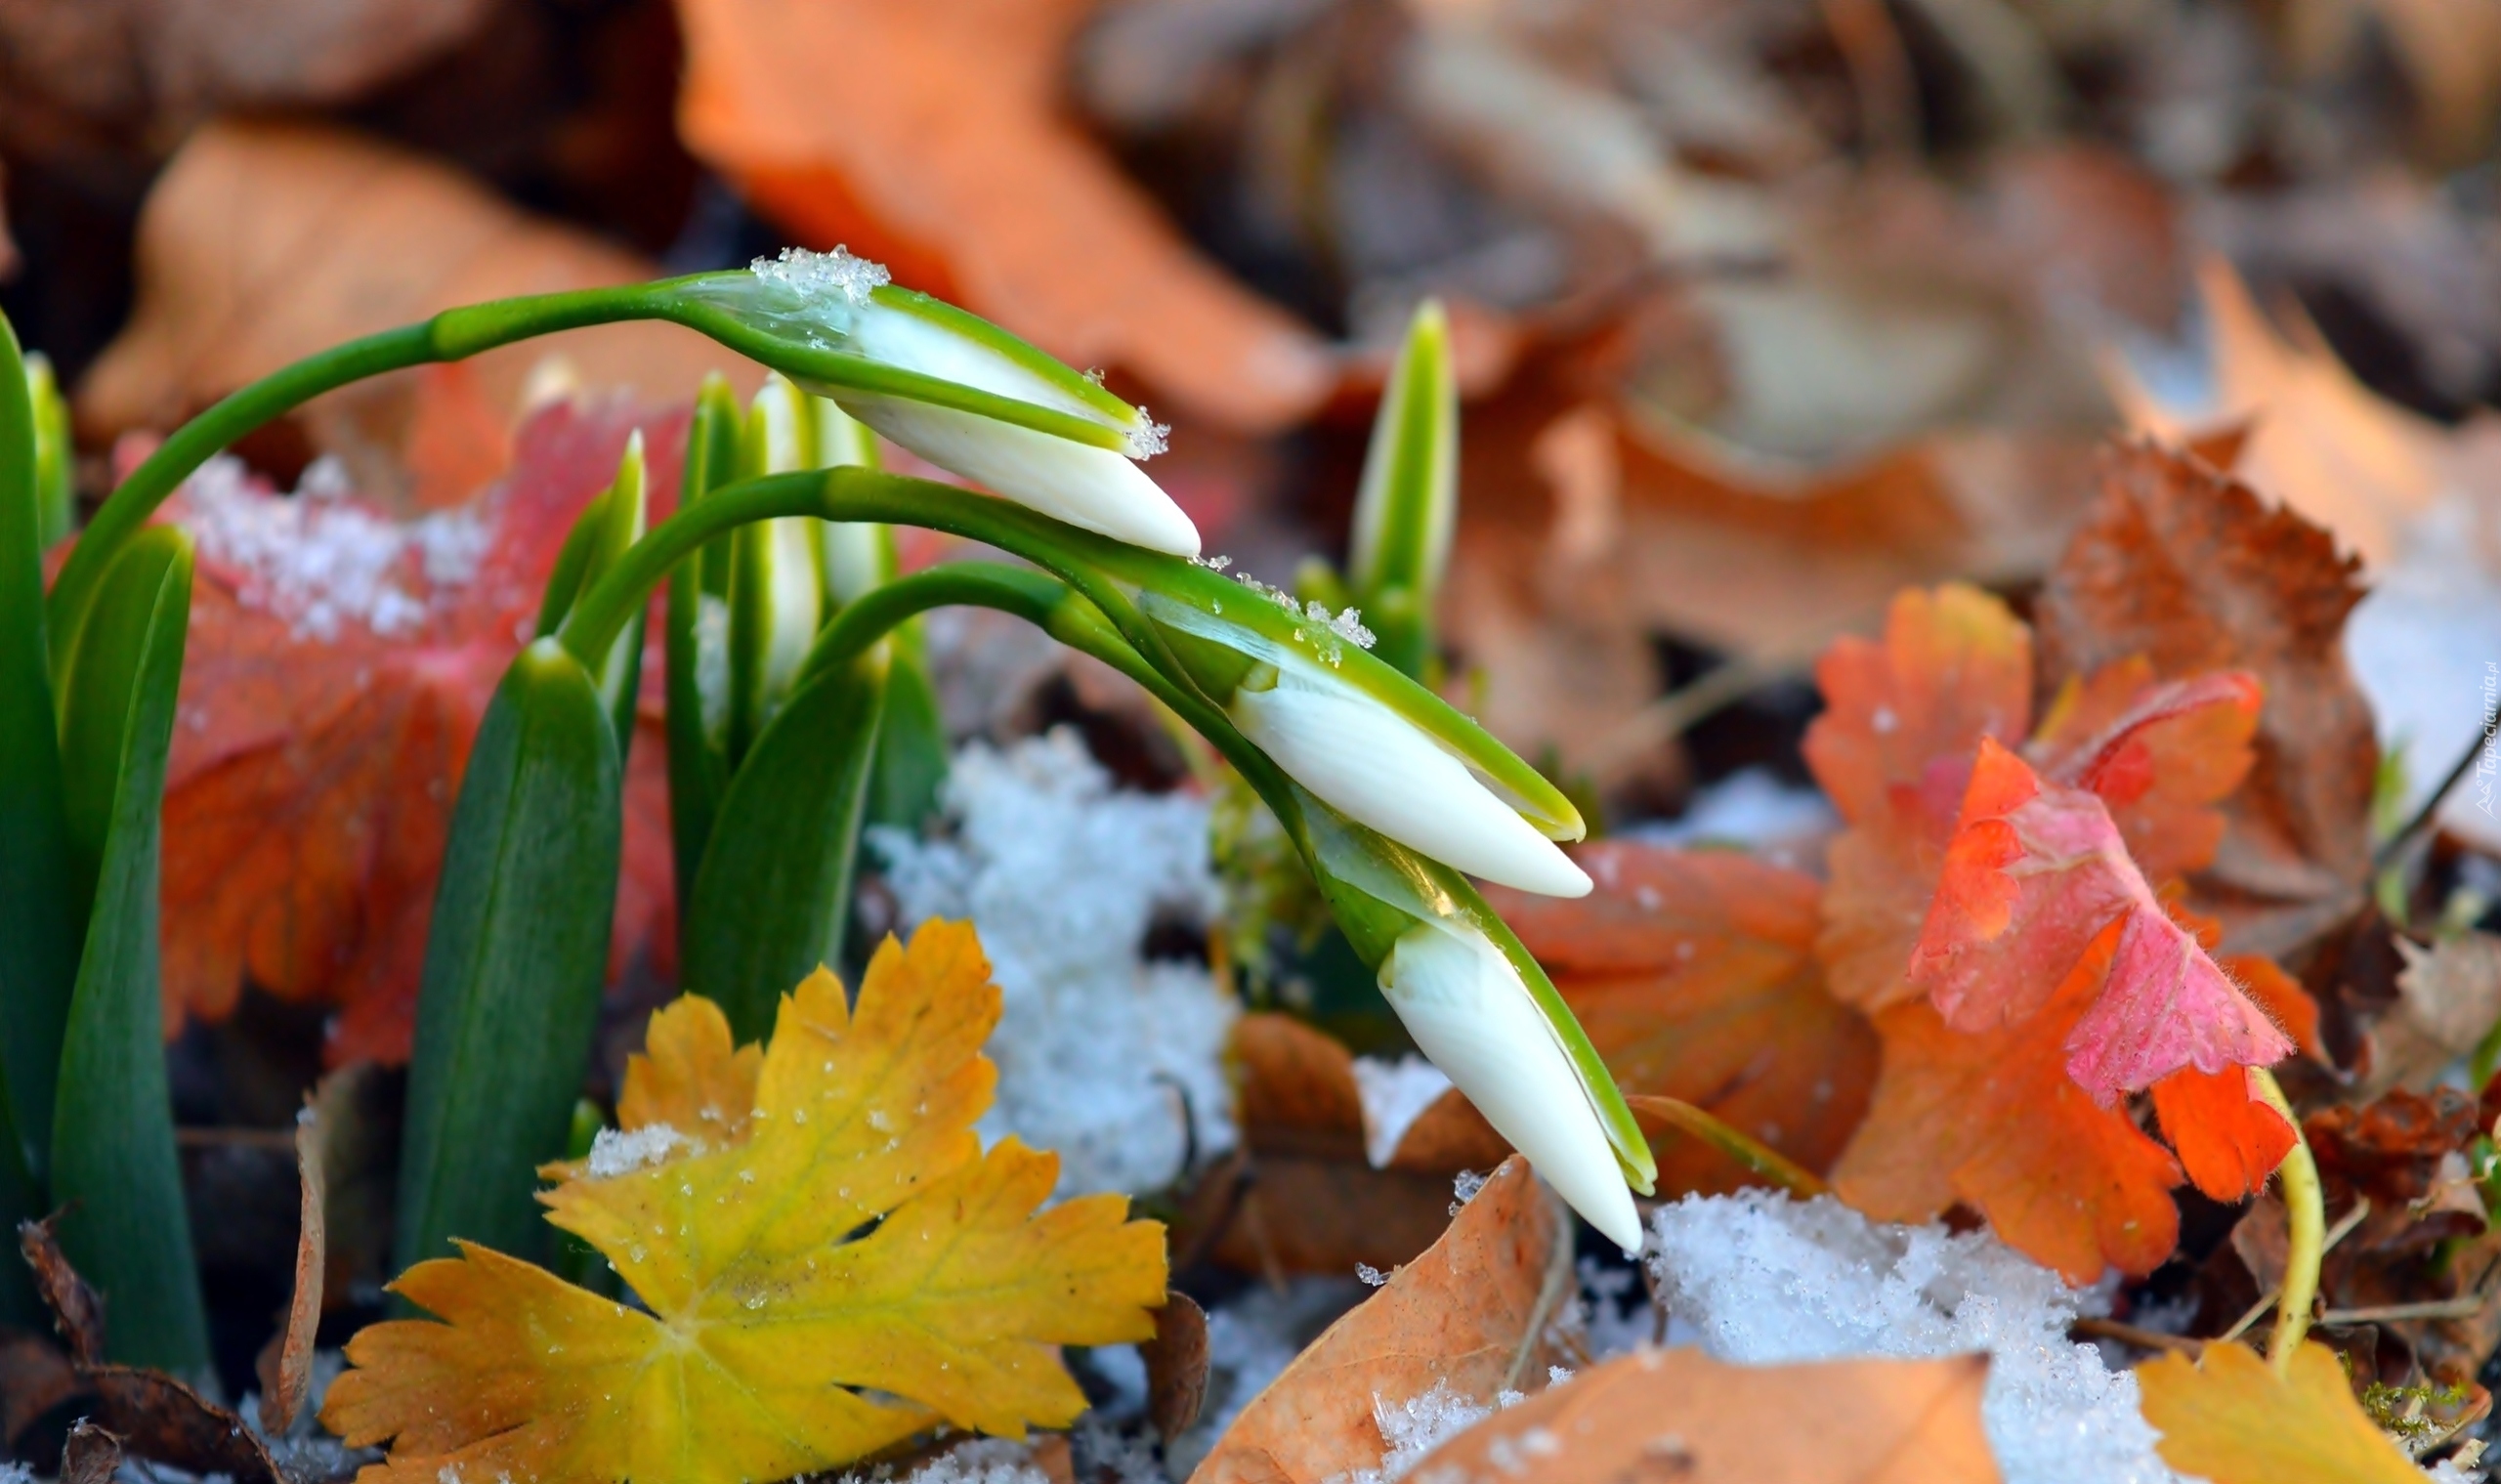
(1382, 770)
(1473, 1016)
(956, 390)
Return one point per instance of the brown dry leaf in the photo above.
(151, 65)
(1679, 1414)
(264, 243)
(285, 1365)
(34, 1378)
(90, 1456)
(2448, 997)
(1176, 1366)
(1470, 1314)
(929, 135)
(158, 1416)
(2194, 571)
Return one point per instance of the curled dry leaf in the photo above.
(1679, 1415)
(2228, 1417)
(324, 722)
(1471, 1315)
(34, 1378)
(285, 1365)
(156, 1416)
(1176, 1366)
(264, 242)
(929, 135)
(2195, 571)
(852, 1235)
(90, 1455)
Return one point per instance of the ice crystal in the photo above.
(1414, 1428)
(618, 1152)
(1112, 1060)
(1765, 1279)
(816, 273)
(1394, 1095)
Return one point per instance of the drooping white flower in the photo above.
(824, 307)
(1382, 770)
(1470, 1013)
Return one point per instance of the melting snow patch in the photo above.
(1114, 1061)
(1394, 1095)
(1768, 1280)
(1416, 1427)
(982, 1460)
(840, 271)
(320, 561)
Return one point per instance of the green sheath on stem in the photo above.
(515, 961)
(112, 1129)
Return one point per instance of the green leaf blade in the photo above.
(112, 1129)
(515, 962)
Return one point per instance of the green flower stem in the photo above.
(459, 333)
(2306, 1213)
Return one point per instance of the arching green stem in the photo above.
(2305, 1215)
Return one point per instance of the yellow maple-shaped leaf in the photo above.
(857, 1239)
(690, 1075)
(2231, 1419)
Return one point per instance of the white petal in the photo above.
(1468, 1011)
(1380, 769)
(1092, 488)
(905, 340)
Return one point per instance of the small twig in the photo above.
(1715, 690)
(2090, 1328)
(2395, 845)
(1761, 1158)
(1549, 1295)
(2463, 1306)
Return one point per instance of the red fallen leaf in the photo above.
(2034, 874)
(326, 712)
(2228, 1140)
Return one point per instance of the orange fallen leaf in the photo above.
(929, 135)
(852, 1270)
(1679, 1415)
(1993, 1115)
(316, 759)
(1695, 975)
(1468, 1316)
(2228, 1417)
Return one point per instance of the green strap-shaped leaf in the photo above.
(42, 912)
(112, 1127)
(515, 961)
(912, 740)
(20, 1200)
(699, 737)
(1408, 503)
(56, 494)
(773, 898)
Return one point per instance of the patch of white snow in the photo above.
(1765, 1279)
(1112, 1060)
(618, 1152)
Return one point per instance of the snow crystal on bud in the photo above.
(618, 1152)
(1394, 1095)
(1114, 1061)
(1767, 1280)
(810, 274)
(1149, 438)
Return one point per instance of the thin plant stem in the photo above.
(1760, 1158)
(2395, 846)
(2305, 1219)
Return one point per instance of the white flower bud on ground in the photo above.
(1470, 1012)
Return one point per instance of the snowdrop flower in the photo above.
(1382, 770)
(954, 389)
(1470, 1013)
